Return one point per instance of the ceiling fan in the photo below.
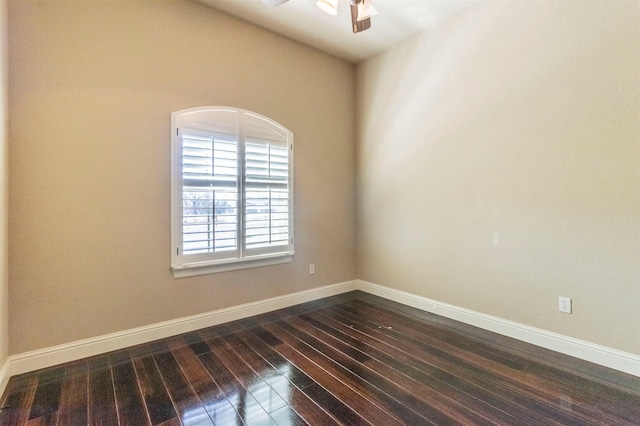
(361, 11)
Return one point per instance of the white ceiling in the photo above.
(303, 21)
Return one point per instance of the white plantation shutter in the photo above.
(209, 194)
(232, 191)
(266, 195)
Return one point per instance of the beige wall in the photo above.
(4, 273)
(498, 166)
(92, 87)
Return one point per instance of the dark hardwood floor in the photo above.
(351, 359)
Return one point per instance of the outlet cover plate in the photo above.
(565, 304)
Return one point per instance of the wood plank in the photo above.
(129, 403)
(246, 377)
(434, 356)
(18, 400)
(287, 416)
(75, 394)
(353, 396)
(426, 376)
(154, 394)
(213, 399)
(248, 408)
(584, 404)
(593, 373)
(447, 360)
(188, 405)
(378, 389)
(279, 380)
(102, 406)
(597, 393)
(413, 393)
(331, 409)
(47, 398)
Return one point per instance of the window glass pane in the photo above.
(209, 194)
(209, 220)
(266, 218)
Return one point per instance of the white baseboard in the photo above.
(4, 376)
(47, 357)
(602, 355)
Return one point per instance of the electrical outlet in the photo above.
(312, 269)
(565, 304)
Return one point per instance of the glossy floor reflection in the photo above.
(350, 359)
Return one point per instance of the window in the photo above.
(232, 191)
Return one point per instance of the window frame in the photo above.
(213, 262)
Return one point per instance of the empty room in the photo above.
(290, 212)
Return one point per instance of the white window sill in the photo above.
(203, 268)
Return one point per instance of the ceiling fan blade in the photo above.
(356, 25)
(274, 3)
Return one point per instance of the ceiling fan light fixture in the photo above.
(328, 6)
(365, 10)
